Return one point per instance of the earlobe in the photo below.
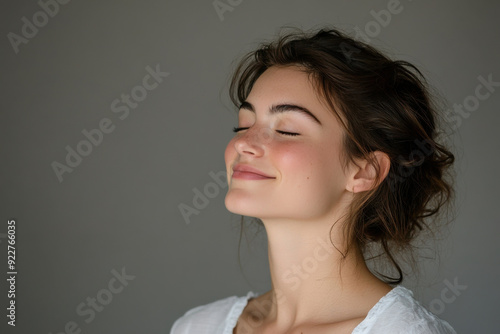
(364, 177)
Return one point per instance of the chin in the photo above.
(236, 207)
(242, 205)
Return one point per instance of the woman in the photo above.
(335, 152)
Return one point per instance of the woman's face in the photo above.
(305, 180)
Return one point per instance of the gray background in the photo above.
(120, 207)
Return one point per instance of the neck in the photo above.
(311, 279)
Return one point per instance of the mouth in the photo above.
(249, 176)
(247, 172)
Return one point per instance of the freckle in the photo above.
(308, 177)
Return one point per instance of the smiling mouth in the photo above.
(249, 176)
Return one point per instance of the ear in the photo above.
(363, 178)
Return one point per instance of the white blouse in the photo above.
(396, 312)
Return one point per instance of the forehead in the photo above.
(290, 84)
(284, 82)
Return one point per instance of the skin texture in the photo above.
(309, 191)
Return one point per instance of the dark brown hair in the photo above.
(383, 105)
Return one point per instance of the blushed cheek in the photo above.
(298, 163)
(312, 169)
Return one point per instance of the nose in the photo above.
(253, 140)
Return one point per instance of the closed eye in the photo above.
(287, 133)
(282, 132)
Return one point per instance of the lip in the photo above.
(241, 171)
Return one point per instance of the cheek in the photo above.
(310, 166)
(298, 160)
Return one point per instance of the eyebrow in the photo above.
(281, 108)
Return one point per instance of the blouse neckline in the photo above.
(241, 303)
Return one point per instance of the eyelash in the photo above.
(282, 132)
